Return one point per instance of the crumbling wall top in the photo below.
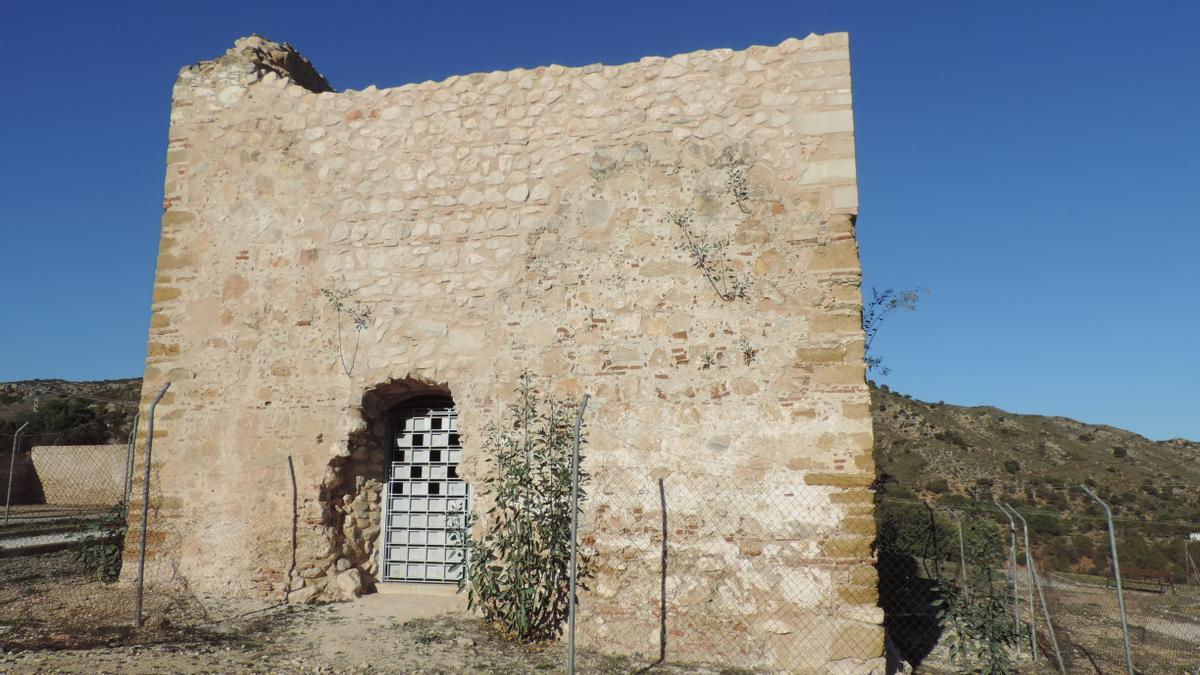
(252, 58)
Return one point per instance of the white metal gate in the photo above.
(426, 500)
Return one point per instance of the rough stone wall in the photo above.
(511, 220)
(81, 475)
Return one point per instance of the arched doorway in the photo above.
(426, 501)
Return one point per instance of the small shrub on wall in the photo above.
(518, 565)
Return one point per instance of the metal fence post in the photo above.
(12, 464)
(141, 575)
(1189, 565)
(1012, 532)
(295, 526)
(1028, 581)
(1112, 543)
(962, 552)
(129, 458)
(574, 566)
(1049, 626)
(662, 592)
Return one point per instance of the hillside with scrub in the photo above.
(934, 457)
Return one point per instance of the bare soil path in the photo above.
(53, 619)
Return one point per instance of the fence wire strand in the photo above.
(748, 584)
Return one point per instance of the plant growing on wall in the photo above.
(518, 566)
(738, 188)
(748, 350)
(710, 257)
(878, 308)
(359, 314)
(709, 254)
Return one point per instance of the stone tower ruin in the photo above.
(345, 278)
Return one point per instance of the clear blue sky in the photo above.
(1037, 165)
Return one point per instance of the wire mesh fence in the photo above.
(62, 482)
(1027, 588)
(688, 568)
(735, 567)
(748, 573)
(68, 497)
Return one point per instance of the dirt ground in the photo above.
(1164, 627)
(1164, 630)
(56, 619)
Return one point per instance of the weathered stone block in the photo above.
(846, 480)
(837, 324)
(854, 640)
(165, 294)
(175, 217)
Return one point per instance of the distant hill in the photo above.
(956, 456)
(68, 413)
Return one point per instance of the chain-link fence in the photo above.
(67, 497)
(1043, 582)
(56, 482)
(757, 573)
(735, 566)
(688, 568)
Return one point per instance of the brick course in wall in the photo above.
(506, 221)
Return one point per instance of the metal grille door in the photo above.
(426, 500)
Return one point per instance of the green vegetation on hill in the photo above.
(67, 413)
(950, 456)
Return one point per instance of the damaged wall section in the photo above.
(352, 498)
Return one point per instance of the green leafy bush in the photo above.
(59, 421)
(937, 485)
(977, 619)
(914, 530)
(951, 437)
(518, 565)
(952, 500)
(1042, 524)
(101, 543)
